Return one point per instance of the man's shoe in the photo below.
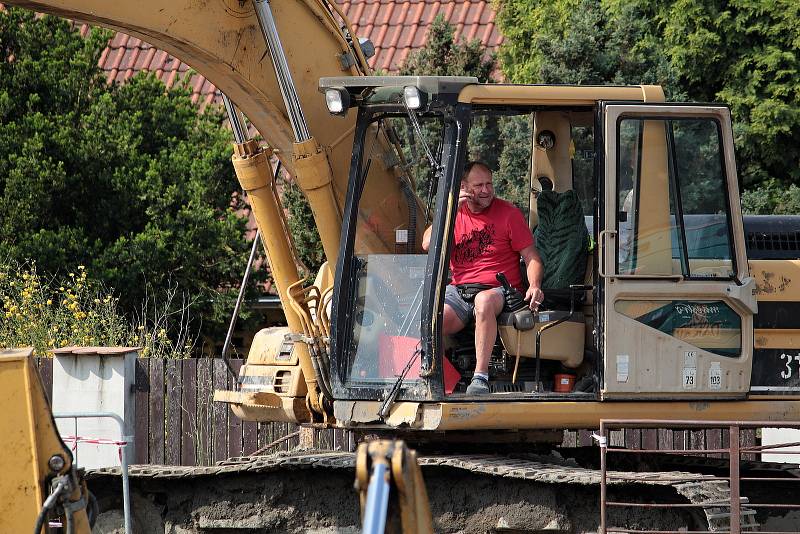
(478, 386)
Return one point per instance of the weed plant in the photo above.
(49, 312)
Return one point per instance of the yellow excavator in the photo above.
(654, 309)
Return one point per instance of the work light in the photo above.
(412, 97)
(337, 100)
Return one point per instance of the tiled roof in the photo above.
(396, 28)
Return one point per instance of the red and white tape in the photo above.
(95, 441)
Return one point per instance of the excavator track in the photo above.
(311, 491)
(539, 468)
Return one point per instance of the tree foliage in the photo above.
(493, 141)
(744, 53)
(303, 228)
(128, 180)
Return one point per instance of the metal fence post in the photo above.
(736, 527)
(126, 492)
(603, 442)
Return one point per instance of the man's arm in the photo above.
(463, 196)
(535, 269)
(426, 239)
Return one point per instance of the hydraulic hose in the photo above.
(49, 504)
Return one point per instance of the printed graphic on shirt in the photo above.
(474, 244)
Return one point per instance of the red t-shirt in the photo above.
(488, 243)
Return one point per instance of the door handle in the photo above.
(601, 252)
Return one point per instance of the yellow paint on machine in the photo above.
(776, 338)
(576, 415)
(776, 280)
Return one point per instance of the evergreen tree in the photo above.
(495, 142)
(744, 53)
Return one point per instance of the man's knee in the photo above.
(488, 303)
(452, 323)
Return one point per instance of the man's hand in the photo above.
(534, 297)
(464, 196)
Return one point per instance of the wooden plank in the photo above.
(189, 420)
(748, 439)
(616, 438)
(141, 427)
(585, 438)
(234, 423)
(714, 440)
(633, 438)
(45, 366)
(249, 437)
(666, 439)
(697, 439)
(679, 439)
(157, 420)
(219, 415)
(569, 439)
(172, 397)
(650, 439)
(205, 392)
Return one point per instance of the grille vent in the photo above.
(773, 241)
(283, 381)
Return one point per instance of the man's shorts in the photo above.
(464, 310)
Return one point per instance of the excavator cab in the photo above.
(634, 204)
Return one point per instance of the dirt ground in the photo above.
(324, 501)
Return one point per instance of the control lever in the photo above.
(572, 289)
(514, 303)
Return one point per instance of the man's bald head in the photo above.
(477, 181)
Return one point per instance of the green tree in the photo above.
(491, 140)
(582, 42)
(745, 53)
(302, 227)
(128, 180)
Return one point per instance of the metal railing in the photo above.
(734, 505)
(122, 444)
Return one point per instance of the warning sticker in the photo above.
(623, 365)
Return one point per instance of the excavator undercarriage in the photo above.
(559, 491)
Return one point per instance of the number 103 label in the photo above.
(715, 376)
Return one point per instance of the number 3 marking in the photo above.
(787, 374)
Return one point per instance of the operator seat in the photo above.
(563, 244)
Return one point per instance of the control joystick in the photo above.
(514, 303)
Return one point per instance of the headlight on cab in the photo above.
(337, 100)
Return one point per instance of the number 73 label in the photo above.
(690, 378)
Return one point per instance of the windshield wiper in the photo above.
(418, 130)
(392, 396)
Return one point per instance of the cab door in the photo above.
(677, 300)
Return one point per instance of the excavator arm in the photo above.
(391, 489)
(267, 58)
